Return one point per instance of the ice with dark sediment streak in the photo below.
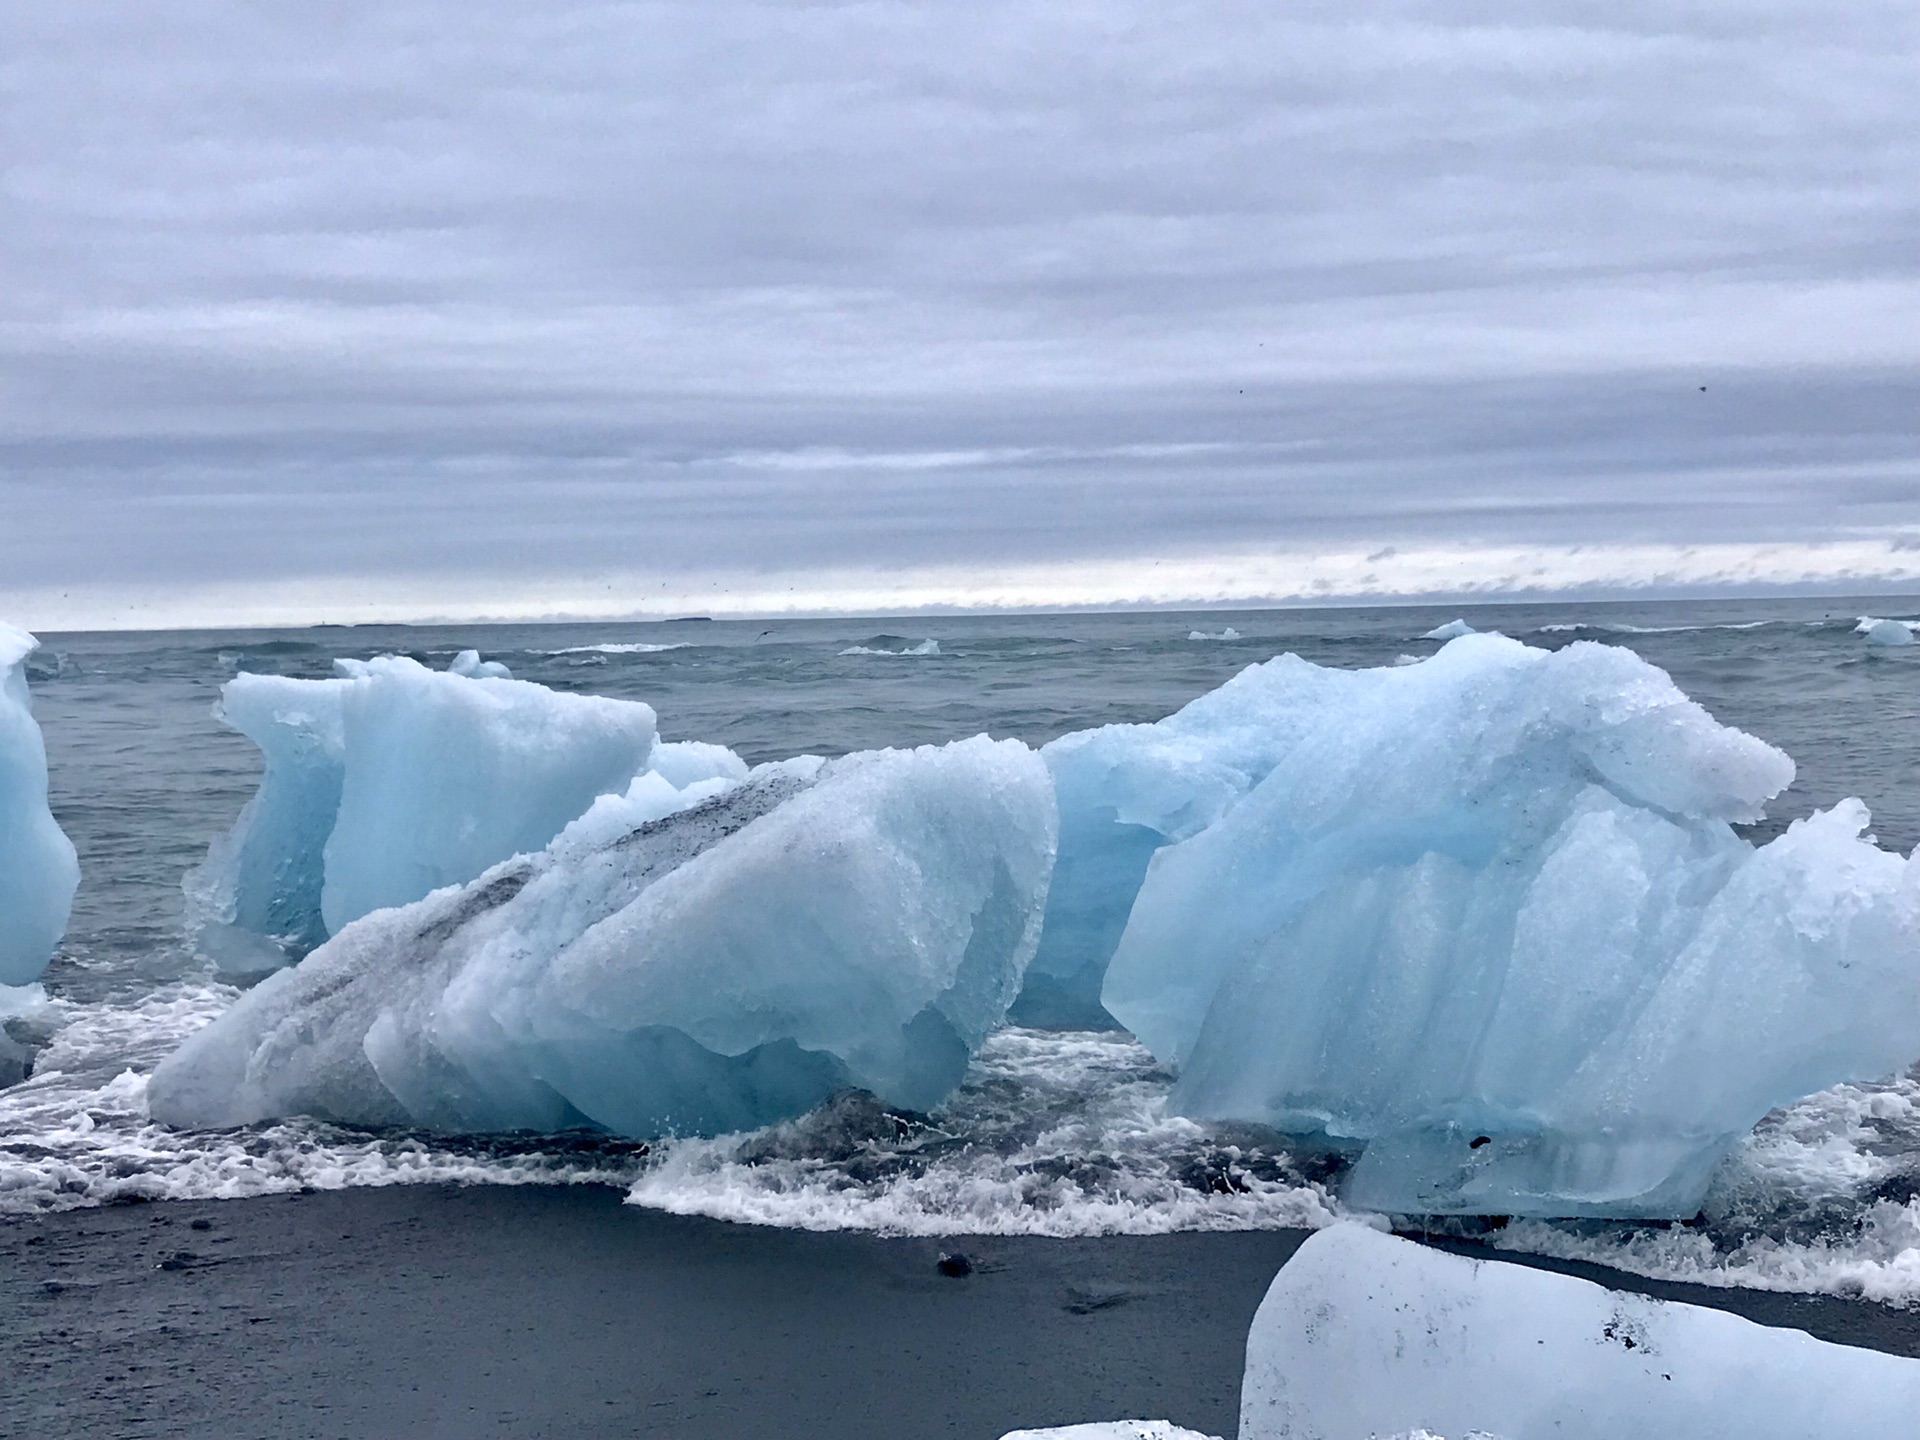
(689, 960)
(38, 870)
(391, 780)
(1485, 920)
(1362, 1334)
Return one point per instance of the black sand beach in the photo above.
(449, 1311)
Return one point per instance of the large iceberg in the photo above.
(1485, 918)
(1365, 1335)
(392, 780)
(38, 870)
(680, 959)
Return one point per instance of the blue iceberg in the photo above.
(392, 780)
(38, 870)
(682, 959)
(1485, 920)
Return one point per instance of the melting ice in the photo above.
(1363, 1334)
(678, 960)
(38, 870)
(1485, 919)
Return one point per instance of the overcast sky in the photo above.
(413, 309)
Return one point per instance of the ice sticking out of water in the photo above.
(925, 647)
(677, 961)
(391, 780)
(38, 869)
(1887, 632)
(1452, 630)
(1487, 919)
(1227, 634)
(1363, 1334)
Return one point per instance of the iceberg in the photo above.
(1884, 632)
(1126, 790)
(1485, 921)
(392, 780)
(689, 959)
(39, 871)
(1362, 1334)
(1452, 630)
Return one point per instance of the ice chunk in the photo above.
(469, 663)
(1362, 1334)
(38, 869)
(393, 780)
(1452, 630)
(1884, 632)
(1126, 790)
(1227, 634)
(1487, 919)
(675, 961)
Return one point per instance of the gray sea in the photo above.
(1051, 1133)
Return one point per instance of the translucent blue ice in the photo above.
(1362, 1334)
(692, 959)
(38, 871)
(392, 780)
(1485, 919)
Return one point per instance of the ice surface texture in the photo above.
(392, 780)
(678, 960)
(1364, 1335)
(1110, 1430)
(1485, 916)
(38, 871)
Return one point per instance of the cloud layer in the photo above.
(587, 305)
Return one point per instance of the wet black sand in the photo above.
(441, 1311)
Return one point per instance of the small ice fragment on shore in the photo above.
(1885, 632)
(1364, 1334)
(691, 961)
(39, 871)
(1452, 630)
(1111, 1430)
(1227, 634)
(392, 780)
(925, 647)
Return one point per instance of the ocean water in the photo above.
(1050, 1133)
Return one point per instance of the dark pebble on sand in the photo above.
(201, 1224)
(954, 1266)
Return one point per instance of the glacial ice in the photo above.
(1127, 790)
(1452, 630)
(391, 780)
(683, 960)
(38, 869)
(1483, 919)
(1362, 1334)
(1884, 632)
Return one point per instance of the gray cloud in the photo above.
(445, 294)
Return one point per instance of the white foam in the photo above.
(1620, 628)
(631, 649)
(1108, 1159)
